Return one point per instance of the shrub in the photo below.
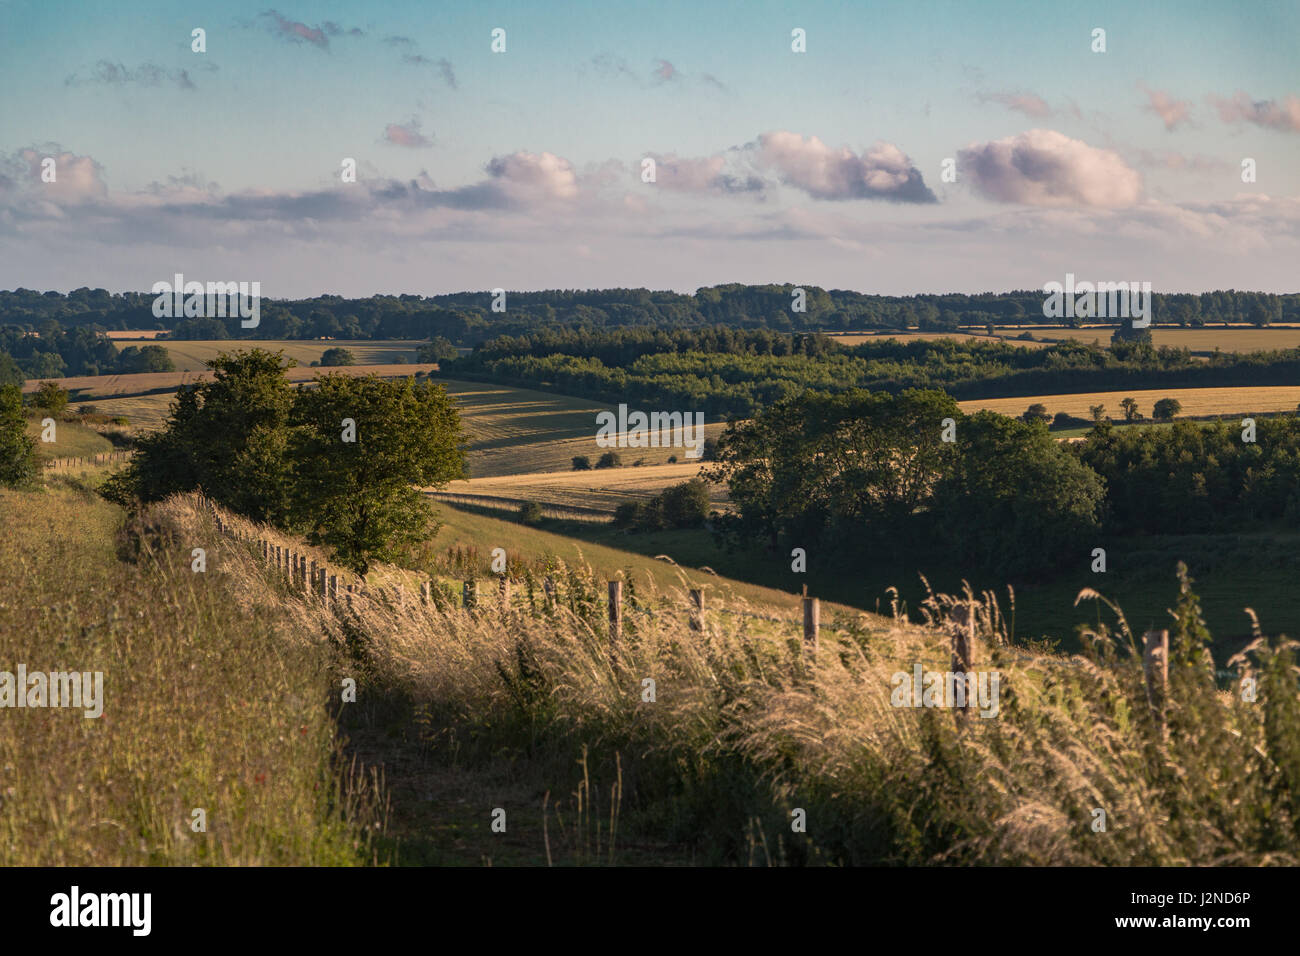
(581, 463)
(610, 459)
(530, 513)
(51, 398)
(1036, 412)
(334, 357)
(1165, 409)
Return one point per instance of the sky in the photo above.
(909, 147)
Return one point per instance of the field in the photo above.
(1200, 341)
(857, 338)
(71, 440)
(94, 387)
(518, 431)
(193, 356)
(1195, 401)
(598, 491)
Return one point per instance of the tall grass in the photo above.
(207, 705)
(748, 726)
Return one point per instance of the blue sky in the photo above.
(522, 169)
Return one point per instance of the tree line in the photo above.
(54, 352)
(726, 372)
(467, 318)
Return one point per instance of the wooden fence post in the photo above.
(962, 617)
(615, 609)
(424, 592)
(697, 609)
(812, 613)
(1155, 666)
(503, 586)
(548, 589)
(469, 595)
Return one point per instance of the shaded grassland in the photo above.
(207, 704)
(1232, 572)
(606, 555)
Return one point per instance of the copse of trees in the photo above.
(685, 505)
(861, 470)
(1193, 477)
(335, 461)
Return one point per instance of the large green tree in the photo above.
(228, 437)
(361, 448)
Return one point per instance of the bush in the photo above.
(51, 398)
(334, 357)
(610, 460)
(1165, 409)
(530, 513)
(1036, 412)
(439, 349)
(581, 463)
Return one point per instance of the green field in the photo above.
(71, 440)
(603, 554)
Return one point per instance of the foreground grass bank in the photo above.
(205, 706)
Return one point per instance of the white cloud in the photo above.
(1042, 167)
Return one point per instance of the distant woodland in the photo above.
(466, 318)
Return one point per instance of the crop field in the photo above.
(857, 338)
(518, 431)
(94, 387)
(1201, 342)
(1195, 401)
(600, 490)
(193, 356)
(1236, 338)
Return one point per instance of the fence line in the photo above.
(103, 458)
(962, 619)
